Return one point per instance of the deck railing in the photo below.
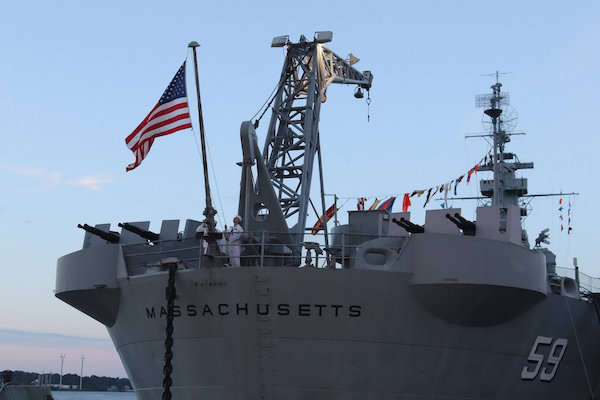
(257, 248)
(586, 282)
(260, 249)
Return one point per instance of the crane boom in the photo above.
(292, 139)
(293, 136)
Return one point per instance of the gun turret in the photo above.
(409, 226)
(463, 224)
(542, 238)
(153, 237)
(112, 237)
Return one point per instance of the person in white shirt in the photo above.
(202, 230)
(234, 239)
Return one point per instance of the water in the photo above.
(93, 395)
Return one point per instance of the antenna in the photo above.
(497, 74)
(62, 361)
(499, 119)
(497, 103)
(81, 373)
(485, 100)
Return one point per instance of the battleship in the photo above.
(380, 308)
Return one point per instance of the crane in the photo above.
(277, 201)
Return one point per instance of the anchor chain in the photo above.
(170, 293)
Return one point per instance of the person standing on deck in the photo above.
(202, 232)
(234, 238)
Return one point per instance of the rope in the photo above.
(197, 145)
(340, 207)
(568, 227)
(366, 197)
(200, 154)
(170, 294)
(587, 378)
(402, 194)
(212, 168)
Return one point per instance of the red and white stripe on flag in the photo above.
(171, 114)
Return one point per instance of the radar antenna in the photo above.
(501, 123)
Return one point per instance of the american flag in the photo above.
(171, 114)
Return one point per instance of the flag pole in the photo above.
(209, 211)
(335, 221)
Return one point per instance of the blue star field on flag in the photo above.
(176, 88)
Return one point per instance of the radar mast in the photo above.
(504, 189)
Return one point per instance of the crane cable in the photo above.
(272, 97)
(266, 106)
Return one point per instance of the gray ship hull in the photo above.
(428, 316)
(287, 333)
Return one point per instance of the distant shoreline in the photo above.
(70, 382)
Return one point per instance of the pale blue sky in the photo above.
(77, 78)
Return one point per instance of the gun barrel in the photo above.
(454, 220)
(139, 231)
(401, 224)
(394, 220)
(410, 227)
(468, 226)
(463, 224)
(108, 236)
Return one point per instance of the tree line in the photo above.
(90, 383)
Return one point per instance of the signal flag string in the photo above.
(429, 192)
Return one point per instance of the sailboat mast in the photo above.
(209, 211)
